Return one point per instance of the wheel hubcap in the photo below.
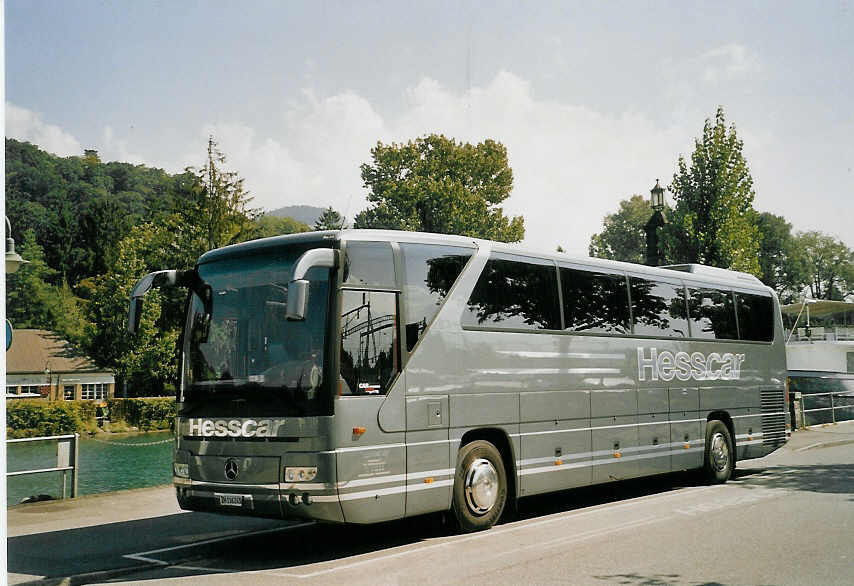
(719, 452)
(481, 486)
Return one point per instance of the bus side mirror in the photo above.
(134, 314)
(297, 300)
(170, 278)
(298, 287)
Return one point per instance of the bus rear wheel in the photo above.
(480, 486)
(719, 459)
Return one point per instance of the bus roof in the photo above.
(690, 272)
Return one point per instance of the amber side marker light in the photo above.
(359, 430)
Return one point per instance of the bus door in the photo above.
(371, 461)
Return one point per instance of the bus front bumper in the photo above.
(280, 500)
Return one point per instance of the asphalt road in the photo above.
(785, 519)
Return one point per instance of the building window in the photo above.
(94, 391)
(68, 392)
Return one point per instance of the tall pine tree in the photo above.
(713, 221)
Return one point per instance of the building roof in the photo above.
(818, 307)
(33, 351)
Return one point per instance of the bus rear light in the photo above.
(300, 473)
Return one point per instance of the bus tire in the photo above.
(719, 458)
(480, 486)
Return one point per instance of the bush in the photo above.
(146, 414)
(36, 418)
(42, 418)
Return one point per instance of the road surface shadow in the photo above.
(654, 580)
(102, 547)
(821, 478)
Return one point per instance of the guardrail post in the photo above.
(76, 469)
(799, 411)
(832, 409)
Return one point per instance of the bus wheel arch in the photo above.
(484, 480)
(725, 418)
(718, 453)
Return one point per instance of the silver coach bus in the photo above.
(359, 376)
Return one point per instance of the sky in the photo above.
(593, 100)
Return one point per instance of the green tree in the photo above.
(266, 226)
(623, 237)
(826, 266)
(222, 202)
(28, 292)
(782, 268)
(145, 360)
(32, 302)
(434, 184)
(330, 220)
(713, 221)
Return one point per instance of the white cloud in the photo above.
(729, 62)
(572, 165)
(26, 125)
(316, 161)
(116, 149)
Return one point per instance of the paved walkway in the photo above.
(90, 510)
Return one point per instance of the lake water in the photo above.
(120, 462)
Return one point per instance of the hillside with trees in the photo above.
(90, 229)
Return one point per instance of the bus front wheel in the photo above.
(719, 459)
(480, 486)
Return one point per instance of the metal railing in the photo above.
(821, 408)
(805, 335)
(67, 459)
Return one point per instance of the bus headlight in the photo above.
(181, 470)
(300, 473)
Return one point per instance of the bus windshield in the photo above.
(238, 344)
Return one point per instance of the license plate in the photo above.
(230, 500)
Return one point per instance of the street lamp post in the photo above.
(13, 259)
(47, 374)
(653, 253)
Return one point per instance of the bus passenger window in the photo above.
(516, 293)
(430, 270)
(369, 355)
(594, 302)
(712, 314)
(659, 308)
(755, 317)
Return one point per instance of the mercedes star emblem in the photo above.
(231, 469)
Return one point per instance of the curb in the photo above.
(88, 578)
(825, 445)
